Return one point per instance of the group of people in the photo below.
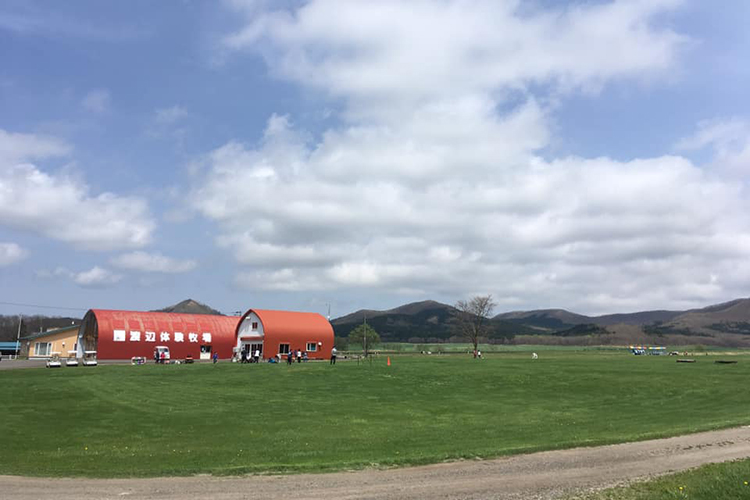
(299, 355)
(250, 357)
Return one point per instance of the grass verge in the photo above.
(125, 421)
(726, 481)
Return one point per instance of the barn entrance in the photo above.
(205, 352)
(249, 348)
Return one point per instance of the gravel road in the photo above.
(545, 475)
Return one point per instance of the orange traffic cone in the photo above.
(389, 361)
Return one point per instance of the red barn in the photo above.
(278, 332)
(125, 334)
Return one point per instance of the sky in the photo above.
(586, 155)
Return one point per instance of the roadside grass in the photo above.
(725, 481)
(404, 347)
(154, 420)
(452, 348)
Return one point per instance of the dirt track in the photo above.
(543, 475)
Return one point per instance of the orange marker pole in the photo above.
(389, 361)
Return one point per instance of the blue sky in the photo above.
(586, 155)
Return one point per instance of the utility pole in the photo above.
(364, 316)
(18, 337)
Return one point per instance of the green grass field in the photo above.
(230, 419)
(727, 481)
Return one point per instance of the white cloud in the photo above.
(97, 101)
(11, 253)
(16, 147)
(729, 139)
(96, 277)
(61, 207)
(386, 55)
(720, 134)
(433, 183)
(153, 263)
(170, 115)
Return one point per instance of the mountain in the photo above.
(729, 317)
(189, 306)
(411, 308)
(636, 318)
(426, 321)
(545, 320)
(559, 319)
(726, 324)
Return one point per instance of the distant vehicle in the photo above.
(54, 360)
(158, 350)
(189, 359)
(89, 358)
(640, 350)
(72, 360)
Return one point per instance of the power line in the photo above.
(44, 307)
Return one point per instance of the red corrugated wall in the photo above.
(138, 327)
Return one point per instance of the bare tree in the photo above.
(473, 317)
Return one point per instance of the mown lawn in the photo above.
(230, 419)
(727, 481)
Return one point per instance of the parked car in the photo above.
(89, 358)
(72, 360)
(158, 351)
(54, 360)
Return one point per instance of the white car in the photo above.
(72, 360)
(159, 351)
(89, 358)
(54, 360)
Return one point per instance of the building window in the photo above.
(312, 347)
(42, 348)
(283, 348)
(255, 325)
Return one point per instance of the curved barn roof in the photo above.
(112, 319)
(292, 326)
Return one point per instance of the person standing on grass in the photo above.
(289, 356)
(333, 355)
(216, 357)
(257, 355)
(299, 356)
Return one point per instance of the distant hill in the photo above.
(545, 320)
(190, 306)
(729, 317)
(426, 321)
(637, 318)
(726, 324)
(408, 309)
(559, 319)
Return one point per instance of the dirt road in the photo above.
(545, 475)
